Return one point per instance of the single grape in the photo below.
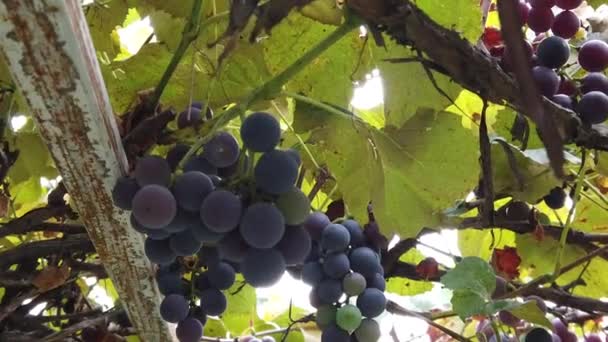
(209, 256)
(276, 172)
(539, 302)
(556, 198)
(263, 267)
(295, 155)
(124, 191)
(593, 338)
(563, 100)
(500, 289)
(523, 9)
(190, 189)
(508, 318)
(295, 206)
(315, 223)
(354, 284)
(201, 282)
(206, 235)
(232, 247)
(232, 170)
(262, 225)
(566, 24)
(356, 232)
(295, 245)
(313, 298)
(154, 206)
(174, 308)
(368, 331)
(371, 302)
(260, 132)
(542, 3)
(326, 315)
(191, 117)
(335, 238)
(176, 154)
(213, 302)
(377, 281)
(569, 337)
(593, 55)
(517, 211)
(185, 243)
(594, 81)
(538, 335)
(559, 327)
(170, 283)
(336, 265)
(540, 19)
(329, 291)
(546, 80)
(593, 108)
(365, 261)
(200, 164)
(221, 211)
(152, 170)
(222, 150)
(221, 275)
(553, 52)
(159, 251)
(199, 105)
(568, 4)
(348, 317)
(312, 273)
(189, 330)
(555, 338)
(334, 334)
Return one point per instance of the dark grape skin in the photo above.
(276, 172)
(158, 234)
(154, 206)
(295, 245)
(569, 337)
(191, 189)
(329, 291)
(593, 338)
(594, 81)
(295, 155)
(568, 4)
(335, 238)
(377, 281)
(221, 275)
(221, 211)
(222, 150)
(540, 19)
(593, 55)
(517, 211)
(201, 164)
(263, 267)
(368, 331)
(176, 154)
(205, 235)
(500, 289)
(170, 283)
(315, 223)
(174, 308)
(542, 3)
(508, 318)
(356, 233)
(553, 52)
(213, 302)
(523, 9)
(199, 105)
(183, 220)
(556, 198)
(232, 247)
(185, 243)
(208, 256)
(123, 192)
(566, 24)
(189, 330)
(371, 302)
(559, 327)
(334, 334)
(563, 100)
(312, 273)
(546, 79)
(365, 261)
(593, 108)
(538, 335)
(336, 265)
(260, 132)
(190, 117)
(152, 170)
(262, 225)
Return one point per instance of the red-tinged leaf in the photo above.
(506, 262)
(51, 277)
(428, 268)
(539, 232)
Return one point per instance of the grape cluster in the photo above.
(550, 51)
(340, 267)
(235, 214)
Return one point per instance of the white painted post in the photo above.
(47, 46)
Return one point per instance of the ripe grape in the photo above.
(371, 302)
(174, 308)
(517, 211)
(348, 317)
(335, 238)
(312, 273)
(568, 4)
(355, 231)
(538, 335)
(329, 291)
(313, 298)
(201, 283)
(170, 283)
(315, 223)
(294, 205)
(500, 289)
(377, 281)
(556, 198)
(221, 211)
(189, 118)
(539, 302)
(232, 247)
(213, 302)
(553, 52)
(334, 334)
(200, 164)
(542, 3)
(176, 154)
(593, 338)
(260, 132)
(293, 153)
(295, 245)
(569, 337)
(262, 225)
(124, 191)
(567, 87)
(183, 220)
(546, 80)
(540, 19)
(159, 251)
(326, 315)
(152, 170)
(593, 55)
(276, 172)
(594, 81)
(593, 108)
(154, 206)
(566, 24)
(221, 275)
(555, 338)
(368, 331)
(185, 243)
(158, 234)
(508, 318)
(365, 261)
(206, 235)
(563, 100)
(354, 284)
(222, 150)
(559, 327)
(209, 256)
(524, 11)
(189, 330)
(336, 265)
(263, 267)
(200, 105)
(190, 189)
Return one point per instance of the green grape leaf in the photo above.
(103, 20)
(167, 28)
(241, 308)
(407, 287)
(531, 313)
(590, 215)
(467, 303)
(323, 11)
(480, 243)
(215, 328)
(471, 274)
(463, 16)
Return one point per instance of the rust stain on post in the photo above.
(48, 48)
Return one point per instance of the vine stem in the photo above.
(580, 178)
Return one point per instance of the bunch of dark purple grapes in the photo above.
(344, 265)
(227, 211)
